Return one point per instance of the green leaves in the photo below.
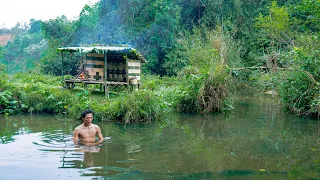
(306, 16)
(276, 23)
(8, 105)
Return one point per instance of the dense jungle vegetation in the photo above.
(198, 51)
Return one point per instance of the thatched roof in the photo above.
(130, 52)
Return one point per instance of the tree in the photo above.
(276, 24)
(34, 26)
(306, 16)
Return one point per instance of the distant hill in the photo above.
(5, 38)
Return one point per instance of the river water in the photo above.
(256, 141)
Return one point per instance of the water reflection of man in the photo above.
(88, 159)
(86, 132)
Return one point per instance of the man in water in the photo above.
(86, 132)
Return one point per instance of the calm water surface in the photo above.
(256, 141)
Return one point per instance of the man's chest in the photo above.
(90, 132)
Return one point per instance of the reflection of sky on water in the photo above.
(53, 156)
(39, 143)
(22, 159)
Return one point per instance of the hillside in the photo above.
(5, 38)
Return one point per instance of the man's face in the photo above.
(88, 118)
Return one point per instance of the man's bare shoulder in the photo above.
(95, 126)
(78, 127)
(81, 127)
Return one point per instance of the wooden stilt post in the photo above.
(62, 75)
(106, 90)
(105, 74)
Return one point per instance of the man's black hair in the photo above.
(85, 112)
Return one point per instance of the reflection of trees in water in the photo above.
(233, 143)
(17, 125)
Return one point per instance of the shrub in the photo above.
(141, 106)
(8, 105)
(206, 93)
(298, 91)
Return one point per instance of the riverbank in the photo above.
(193, 93)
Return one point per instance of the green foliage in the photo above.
(4, 77)
(297, 88)
(141, 106)
(89, 16)
(31, 78)
(204, 47)
(260, 81)
(3, 69)
(57, 31)
(1, 54)
(300, 88)
(297, 92)
(276, 24)
(205, 88)
(52, 63)
(176, 60)
(31, 93)
(8, 105)
(34, 93)
(206, 93)
(189, 92)
(23, 53)
(37, 98)
(307, 60)
(35, 26)
(306, 16)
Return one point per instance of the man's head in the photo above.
(87, 116)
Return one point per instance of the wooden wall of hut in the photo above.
(116, 71)
(94, 66)
(134, 72)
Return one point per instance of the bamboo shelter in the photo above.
(106, 65)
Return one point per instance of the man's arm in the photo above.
(99, 135)
(76, 136)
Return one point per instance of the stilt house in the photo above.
(106, 65)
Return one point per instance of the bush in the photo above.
(206, 86)
(299, 88)
(142, 106)
(298, 91)
(206, 93)
(8, 105)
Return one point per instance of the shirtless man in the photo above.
(86, 132)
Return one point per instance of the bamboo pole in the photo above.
(291, 69)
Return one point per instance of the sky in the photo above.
(13, 11)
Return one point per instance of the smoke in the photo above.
(105, 27)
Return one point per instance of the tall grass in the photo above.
(207, 83)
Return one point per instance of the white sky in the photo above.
(13, 11)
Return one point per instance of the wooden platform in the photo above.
(94, 82)
(70, 84)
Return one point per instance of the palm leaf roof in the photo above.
(130, 52)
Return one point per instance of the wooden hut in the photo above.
(106, 65)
